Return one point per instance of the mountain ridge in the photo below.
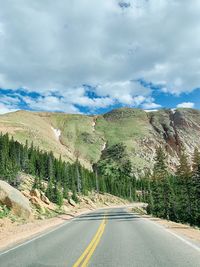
(86, 136)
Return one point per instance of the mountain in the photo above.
(85, 137)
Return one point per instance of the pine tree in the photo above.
(50, 190)
(160, 167)
(195, 160)
(58, 195)
(159, 196)
(196, 188)
(184, 189)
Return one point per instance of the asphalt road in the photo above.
(110, 237)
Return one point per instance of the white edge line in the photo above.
(184, 240)
(37, 237)
(46, 233)
(174, 234)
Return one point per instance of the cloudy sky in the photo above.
(90, 56)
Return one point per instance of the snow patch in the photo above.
(103, 147)
(57, 133)
(93, 124)
(173, 110)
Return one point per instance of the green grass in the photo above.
(77, 132)
(4, 211)
(78, 137)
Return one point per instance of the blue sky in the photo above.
(91, 56)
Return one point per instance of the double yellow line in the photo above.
(83, 260)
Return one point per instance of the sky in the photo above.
(90, 56)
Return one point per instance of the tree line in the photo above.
(56, 177)
(175, 196)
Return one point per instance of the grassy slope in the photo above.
(80, 137)
(34, 127)
(127, 126)
(77, 133)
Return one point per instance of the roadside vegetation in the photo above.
(173, 196)
(176, 196)
(4, 211)
(56, 177)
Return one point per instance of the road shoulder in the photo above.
(182, 230)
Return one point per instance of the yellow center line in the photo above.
(86, 261)
(88, 252)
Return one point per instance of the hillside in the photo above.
(85, 137)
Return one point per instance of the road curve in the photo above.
(110, 237)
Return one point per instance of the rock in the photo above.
(35, 193)
(89, 202)
(45, 199)
(26, 193)
(70, 194)
(38, 204)
(72, 202)
(66, 209)
(14, 200)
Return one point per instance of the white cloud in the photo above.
(50, 103)
(8, 104)
(151, 106)
(67, 102)
(50, 46)
(6, 109)
(186, 105)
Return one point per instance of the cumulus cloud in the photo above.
(48, 46)
(6, 108)
(151, 106)
(186, 105)
(8, 104)
(67, 102)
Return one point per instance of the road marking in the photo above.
(37, 237)
(86, 261)
(83, 260)
(184, 240)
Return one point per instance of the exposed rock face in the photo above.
(175, 130)
(38, 204)
(35, 193)
(45, 199)
(14, 200)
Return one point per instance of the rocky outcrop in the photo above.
(14, 200)
(35, 193)
(38, 204)
(72, 202)
(38, 199)
(45, 199)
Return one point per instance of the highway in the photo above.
(108, 237)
